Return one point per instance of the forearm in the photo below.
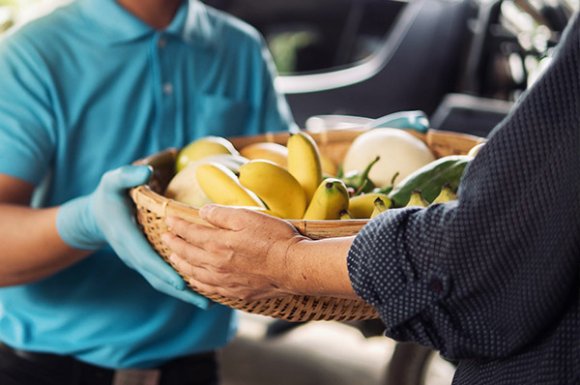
(31, 246)
(319, 267)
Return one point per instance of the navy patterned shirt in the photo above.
(493, 280)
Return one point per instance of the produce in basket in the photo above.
(204, 147)
(430, 179)
(222, 186)
(379, 207)
(184, 186)
(363, 205)
(153, 208)
(446, 195)
(304, 162)
(289, 182)
(399, 152)
(273, 152)
(330, 201)
(276, 187)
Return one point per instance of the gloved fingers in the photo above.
(147, 261)
(126, 177)
(186, 295)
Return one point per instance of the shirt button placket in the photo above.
(161, 43)
(167, 90)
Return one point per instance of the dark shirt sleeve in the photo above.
(484, 276)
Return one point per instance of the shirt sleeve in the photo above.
(26, 119)
(486, 275)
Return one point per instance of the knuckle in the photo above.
(224, 271)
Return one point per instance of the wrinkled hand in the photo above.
(243, 256)
(106, 216)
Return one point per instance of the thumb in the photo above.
(230, 218)
(126, 176)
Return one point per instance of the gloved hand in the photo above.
(412, 120)
(105, 216)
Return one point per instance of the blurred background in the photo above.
(462, 62)
(348, 62)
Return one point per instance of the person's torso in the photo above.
(113, 104)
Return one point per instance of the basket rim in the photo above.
(172, 207)
(146, 196)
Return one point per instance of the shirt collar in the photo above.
(191, 22)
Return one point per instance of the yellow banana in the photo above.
(259, 209)
(201, 148)
(329, 200)
(344, 215)
(379, 207)
(328, 166)
(275, 186)
(416, 199)
(304, 162)
(269, 151)
(445, 195)
(362, 206)
(222, 186)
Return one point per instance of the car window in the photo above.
(308, 36)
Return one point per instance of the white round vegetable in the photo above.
(399, 152)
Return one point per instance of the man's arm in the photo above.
(37, 243)
(31, 246)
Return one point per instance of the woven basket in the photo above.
(153, 207)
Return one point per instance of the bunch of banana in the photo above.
(327, 198)
(278, 180)
(330, 201)
(362, 206)
(275, 186)
(445, 195)
(417, 200)
(184, 186)
(380, 207)
(222, 186)
(285, 181)
(304, 162)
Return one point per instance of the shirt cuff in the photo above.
(382, 271)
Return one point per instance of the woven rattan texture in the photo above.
(292, 308)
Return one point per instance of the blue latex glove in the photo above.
(106, 216)
(413, 120)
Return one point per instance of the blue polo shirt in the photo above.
(89, 88)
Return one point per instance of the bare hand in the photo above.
(243, 256)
